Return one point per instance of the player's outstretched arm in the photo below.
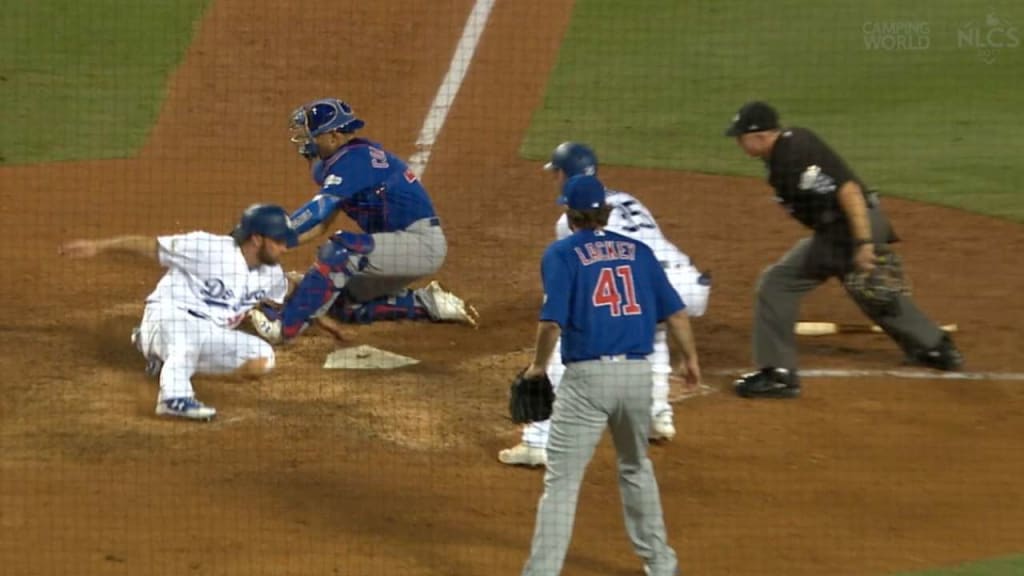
(316, 217)
(683, 348)
(141, 245)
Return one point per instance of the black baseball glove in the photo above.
(530, 399)
(880, 289)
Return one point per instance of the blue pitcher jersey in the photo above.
(607, 292)
(373, 187)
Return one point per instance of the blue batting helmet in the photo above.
(267, 220)
(320, 117)
(573, 158)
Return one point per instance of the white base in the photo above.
(366, 358)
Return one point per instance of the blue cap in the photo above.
(582, 192)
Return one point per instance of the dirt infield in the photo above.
(327, 472)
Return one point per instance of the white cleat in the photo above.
(185, 407)
(443, 306)
(523, 455)
(269, 330)
(662, 427)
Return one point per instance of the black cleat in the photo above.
(769, 383)
(944, 356)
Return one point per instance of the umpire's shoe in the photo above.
(768, 383)
(944, 356)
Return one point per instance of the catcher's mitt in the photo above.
(879, 290)
(530, 399)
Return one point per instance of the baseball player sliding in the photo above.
(363, 276)
(212, 281)
(632, 219)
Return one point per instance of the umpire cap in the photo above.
(268, 220)
(753, 117)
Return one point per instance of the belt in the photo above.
(435, 221)
(612, 358)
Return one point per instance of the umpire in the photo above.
(604, 293)
(851, 237)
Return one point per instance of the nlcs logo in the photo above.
(988, 36)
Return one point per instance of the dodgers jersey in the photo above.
(372, 186)
(208, 276)
(631, 218)
(607, 292)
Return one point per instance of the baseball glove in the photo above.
(530, 399)
(880, 289)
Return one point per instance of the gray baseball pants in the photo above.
(593, 395)
(399, 259)
(810, 263)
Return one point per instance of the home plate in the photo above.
(366, 358)
(684, 394)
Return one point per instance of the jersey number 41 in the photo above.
(607, 292)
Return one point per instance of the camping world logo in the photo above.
(896, 35)
(989, 36)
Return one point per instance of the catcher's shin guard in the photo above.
(405, 306)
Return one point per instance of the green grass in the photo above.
(654, 82)
(1012, 566)
(85, 78)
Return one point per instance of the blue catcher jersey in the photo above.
(372, 186)
(607, 292)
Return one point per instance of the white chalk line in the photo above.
(892, 373)
(449, 88)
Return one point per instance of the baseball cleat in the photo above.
(943, 356)
(523, 455)
(443, 306)
(662, 427)
(269, 330)
(768, 383)
(186, 407)
(153, 364)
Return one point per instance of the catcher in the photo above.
(851, 242)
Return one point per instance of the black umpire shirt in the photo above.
(807, 175)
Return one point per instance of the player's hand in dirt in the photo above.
(79, 249)
(332, 327)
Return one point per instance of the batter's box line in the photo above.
(907, 374)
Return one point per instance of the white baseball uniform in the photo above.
(190, 318)
(631, 218)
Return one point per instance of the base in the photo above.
(366, 358)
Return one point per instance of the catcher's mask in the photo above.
(320, 117)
